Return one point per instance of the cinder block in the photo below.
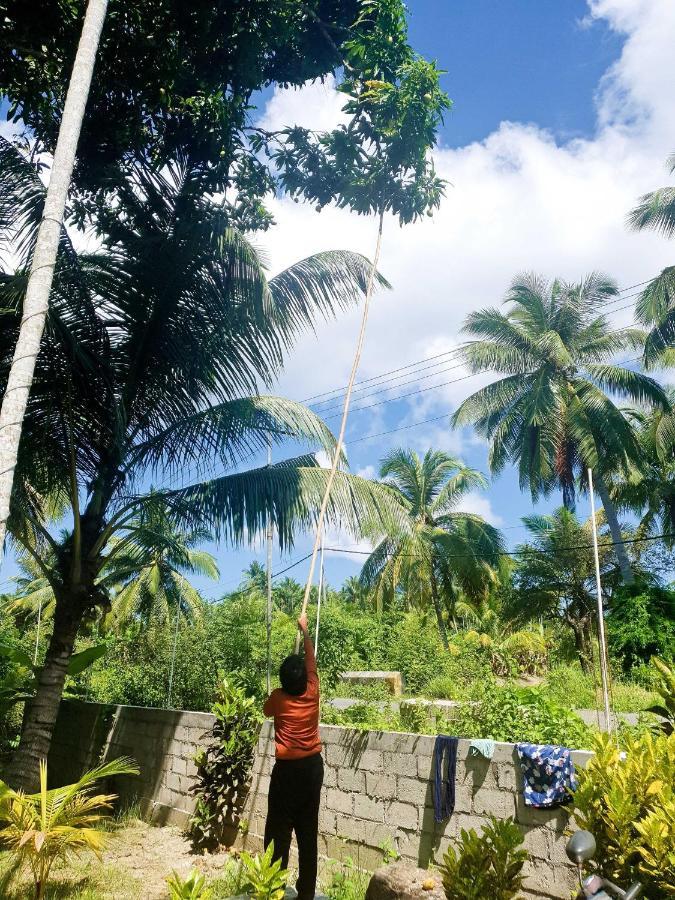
(496, 803)
(412, 790)
(378, 785)
(506, 778)
(398, 763)
(351, 780)
(340, 801)
(368, 808)
(402, 815)
(556, 819)
(537, 842)
(368, 834)
(543, 881)
(327, 822)
(329, 776)
(425, 767)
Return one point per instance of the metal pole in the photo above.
(318, 602)
(37, 636)
(601, 618)
(268, 619)
(173, 657)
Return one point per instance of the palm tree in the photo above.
(555, 577)
(441, 551)
(648, 490)
(144, 575)
(656, 306)
(152, 360)
(554, 413)
(148, 574)
(36, 300)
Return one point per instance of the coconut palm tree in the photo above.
(39, 284)
(554, 413)
(656, 305)
(555, 577)
(152, 360)
(149, 573)
(648, 490)
(144, 576)
(442, 551)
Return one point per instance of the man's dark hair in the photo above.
(293, 675)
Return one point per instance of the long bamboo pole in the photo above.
(268, 615)
(343, 424)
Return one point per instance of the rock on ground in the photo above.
(401, 881)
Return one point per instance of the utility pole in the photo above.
(604, 670)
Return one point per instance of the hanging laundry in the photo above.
(482, 747)
(445, 752)
(548, 774)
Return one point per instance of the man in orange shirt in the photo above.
(297, 777)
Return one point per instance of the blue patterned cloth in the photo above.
(548, 774)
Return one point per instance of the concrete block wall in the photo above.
(377, 788)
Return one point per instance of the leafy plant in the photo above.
(628, 802)
(489, 865)
(347, 881)
(224, 767)
(48, 827)
(666, 689)
(526, 714)
(266, 877)
(191, 888)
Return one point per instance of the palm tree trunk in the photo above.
(42, 710)
(615, 530)
(581, 645)
(439, 612)
(36, 301)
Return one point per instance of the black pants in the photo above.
(293, 805)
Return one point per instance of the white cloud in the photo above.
(479, 505)
(519, 200)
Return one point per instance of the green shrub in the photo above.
(465, 668)
(345, 881)
(641, 624)
(570, 687)
(413, 648)
(489, 865)
(628, 803)
(191, 888)
(265, 875)
(224, 767)
(515, 715)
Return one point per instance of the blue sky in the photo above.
(562, 117)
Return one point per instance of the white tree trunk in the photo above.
(42, 268)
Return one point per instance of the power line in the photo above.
(524, 551)
(448, 353)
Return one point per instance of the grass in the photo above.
(568, 685)
(84, 879)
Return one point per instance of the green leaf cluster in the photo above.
(43, 829)
(224, 766)
(193, 887)
(266, 876)
(485, 865)
(627, 800)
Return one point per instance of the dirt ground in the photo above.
(147, 855)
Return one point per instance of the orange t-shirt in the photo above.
(296, 719)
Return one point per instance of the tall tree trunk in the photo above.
(42, 710)
(615, 530)
(436, 600)
(581, 644)
(36, 301)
